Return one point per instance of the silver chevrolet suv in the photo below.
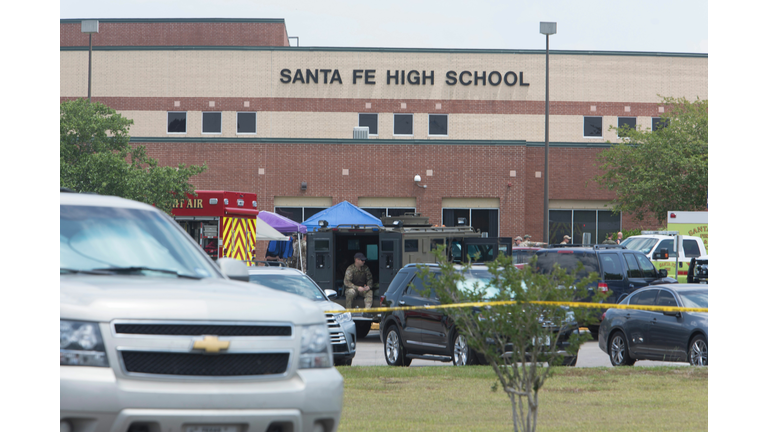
(154, 336)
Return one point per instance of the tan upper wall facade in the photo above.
(234, 73)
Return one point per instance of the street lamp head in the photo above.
(89, 26)
(548, 28)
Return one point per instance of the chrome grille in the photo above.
(330, 320)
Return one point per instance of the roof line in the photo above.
(390, 50)
(332, 141)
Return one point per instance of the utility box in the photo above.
(360, 132)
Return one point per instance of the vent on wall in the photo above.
(360, 133)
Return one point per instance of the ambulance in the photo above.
(223, 223)
(685, 238)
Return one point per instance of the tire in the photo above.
(463, 355)
(394, 352)
(362, 328)
(618, 350)
(697, 351)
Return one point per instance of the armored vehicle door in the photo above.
(390, 258)
(320, 259)
(480, 249)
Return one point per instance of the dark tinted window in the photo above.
(668, 244)
(584, 221)
(633, 270)
(691, 248)
(400, 211)
(438, 124)
(212, 122)
(480, 253)
(412, 245)
(567, 261)
(593, 126)
(370, 120)
(612, 269)
(292, 213)
(434, 243)
(630, 122)
(659, 123)
(559, 225)
(400, 277)
(246, 123)
(522, 256)
(416, 288)
(649, 271)
(387, 245)
(645, 298)
(666, 299)
(322, 245)
(177, 122)
(403, 124)
(376, 211)
(311, 211)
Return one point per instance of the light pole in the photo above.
(90, 27)
(546, 28)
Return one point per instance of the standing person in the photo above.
(609, 239)
(518, 241)
(566, 239)
(619, 237)
(526, 241)
(358, 280)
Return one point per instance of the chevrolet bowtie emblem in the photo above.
(211, 344)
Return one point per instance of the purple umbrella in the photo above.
(281, 223)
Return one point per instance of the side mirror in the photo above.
(234, 269)
(330, 293)
(663, 273)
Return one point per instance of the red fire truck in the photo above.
(223, 223)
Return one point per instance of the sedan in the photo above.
(628, 335)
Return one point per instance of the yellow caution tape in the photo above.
(548, 303)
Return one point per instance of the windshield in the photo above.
(293, 284)
(104, 237)
(569, 261)
(695, 299)
(479, 280)
(642, 244)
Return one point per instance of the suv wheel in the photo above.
(462, 353)
(394, 352)
(697, 352)
(619, 351)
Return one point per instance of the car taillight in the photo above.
(602, 287)
(382, 300)
(602, 317)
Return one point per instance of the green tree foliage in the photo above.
(527, 331)
(656, 171)
(95, 156)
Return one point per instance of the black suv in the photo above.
(430, 334)
(621, 270)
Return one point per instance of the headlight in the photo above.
(343, 317)
(315, 347)
(80, 344)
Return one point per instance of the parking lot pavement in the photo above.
(370, 352)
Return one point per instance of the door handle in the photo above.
(631, 285)
(402, 302)
(653, 321)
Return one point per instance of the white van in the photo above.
(651, 245)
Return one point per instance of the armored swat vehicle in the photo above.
(402, 240)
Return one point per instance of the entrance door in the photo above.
(320, 259)
(390, 258)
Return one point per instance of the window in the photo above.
(177, 122)
(593, 127)
(645, 298)
(417, 288)
(575, 223)
(438, 124)
(649, 271)
(659, 123)
(370, 120)
(611, 267)
(298, 214)
(691, 248)
(403, 124)
(246, 122)
(668, 244)
(412, 245)
(666, 299)
(633, 270)
(212, 122)
(485, 220)
(630, 122)
(380, 212)
(434, 243)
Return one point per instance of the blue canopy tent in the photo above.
(342, 213)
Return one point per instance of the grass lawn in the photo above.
(381, 398)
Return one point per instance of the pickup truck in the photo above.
(651, 245)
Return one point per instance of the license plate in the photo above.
(543, 342)
(212, 428)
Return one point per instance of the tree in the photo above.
(95, 156)
(656, 171)
(527, 331)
